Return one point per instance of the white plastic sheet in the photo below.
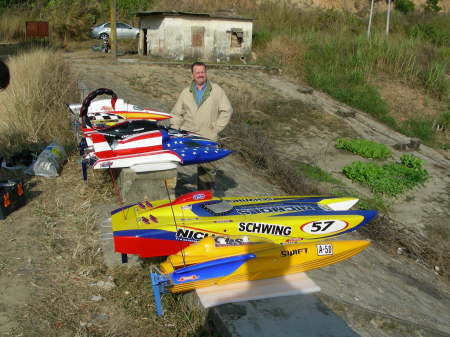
(293, 284)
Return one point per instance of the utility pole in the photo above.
(388, 19)
(370, 19)
(113, 32)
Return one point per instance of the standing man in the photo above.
(203, 108)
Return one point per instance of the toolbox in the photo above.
(12, 196)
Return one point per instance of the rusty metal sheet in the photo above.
(37, 29)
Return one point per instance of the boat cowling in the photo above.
(193, 196)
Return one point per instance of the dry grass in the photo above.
(12, 27)
(71, 255)
(253, 138)
(431, 250)
(32, 111)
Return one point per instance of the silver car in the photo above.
(124, 31)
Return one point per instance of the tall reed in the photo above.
(32, 110)
(12, 27)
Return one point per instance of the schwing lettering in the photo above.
(263, 228)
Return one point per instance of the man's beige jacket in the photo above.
(207, 119)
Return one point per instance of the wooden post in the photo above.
(113, 26)
(141, 39)
(370, 19)
(388, 19)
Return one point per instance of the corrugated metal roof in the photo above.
(207, 15)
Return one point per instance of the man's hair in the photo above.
(4, 75)
(197, 64)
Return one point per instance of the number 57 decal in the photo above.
(324, 226)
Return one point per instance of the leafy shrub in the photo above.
(389, 179)
(431, 6)
(364, 148)
(404, 6)
(412, 161)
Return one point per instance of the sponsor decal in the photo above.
(292, 252)
(221, 241)
(326, 249)
(137, 108)
(244, 210)
(188, 278)
(198, 196)
(252, 199)
(264, 228)
(106, 164)
(292, 240)
(190, 235)
(324, 226)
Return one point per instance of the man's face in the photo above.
(199, 75)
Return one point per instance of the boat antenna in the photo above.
(174, 220)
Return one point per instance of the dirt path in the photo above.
(378, 294)
(424, 206)
(394, 286)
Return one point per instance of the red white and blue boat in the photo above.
(138, 142)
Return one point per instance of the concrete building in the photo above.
(181, 35)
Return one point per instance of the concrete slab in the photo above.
(301, 315)
(136, 187)
(103, 225)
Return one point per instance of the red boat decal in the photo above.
(125, 152)
(188, 278)
(145, 247)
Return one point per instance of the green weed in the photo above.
(343, 74)
(317, 173)
(419, 127)
(435, 29)
(364, 148)
(435, 79)
(389, 179)
(404, 6)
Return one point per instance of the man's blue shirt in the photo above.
(199, 93)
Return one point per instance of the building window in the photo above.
(237, 37)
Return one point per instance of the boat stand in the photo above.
(159, 286)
